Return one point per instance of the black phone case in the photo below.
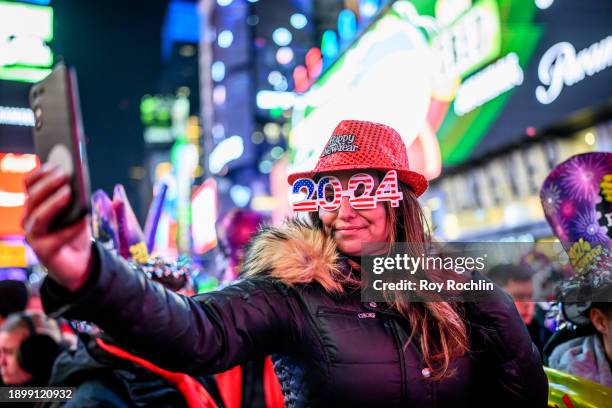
(59, 137)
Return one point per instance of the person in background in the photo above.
(545, 276)
(517, 282)
(69, 336)
(235, 230)
(29, 344)
(577, 201)
(589, 356)
(254, 383)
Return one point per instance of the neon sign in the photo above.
(204, 214)
(561, 66)
(470, 42)
(13, 170)
(10, 115)
(18, 163)
(25, 31)
(489, 83)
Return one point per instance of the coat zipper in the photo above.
(348, 313)
(336, 312)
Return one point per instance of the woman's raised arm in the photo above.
(205, 334)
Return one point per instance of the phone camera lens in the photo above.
(38, 118)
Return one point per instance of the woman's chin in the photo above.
(351, 249)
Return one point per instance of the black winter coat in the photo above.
(330, 350)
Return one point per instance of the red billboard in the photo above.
(14, 168)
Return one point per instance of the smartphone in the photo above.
(59, 137)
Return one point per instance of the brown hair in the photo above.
(438, 326)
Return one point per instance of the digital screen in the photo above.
(25, 31)
(459, 84)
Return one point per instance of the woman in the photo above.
(299, 302)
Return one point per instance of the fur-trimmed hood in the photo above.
(295, 253)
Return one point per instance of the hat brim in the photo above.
(416, 181)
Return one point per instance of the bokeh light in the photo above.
(298, 21)
(217, 71)
(282, 37)
(284, 55)
(225, 39)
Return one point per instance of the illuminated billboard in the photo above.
(460, 80)
(13, 170)
(25, 31)
(403, 71)
(204, 215)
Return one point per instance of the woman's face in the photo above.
(351, 227)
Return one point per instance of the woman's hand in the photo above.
(66, 253)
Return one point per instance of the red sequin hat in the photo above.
(357, 144)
